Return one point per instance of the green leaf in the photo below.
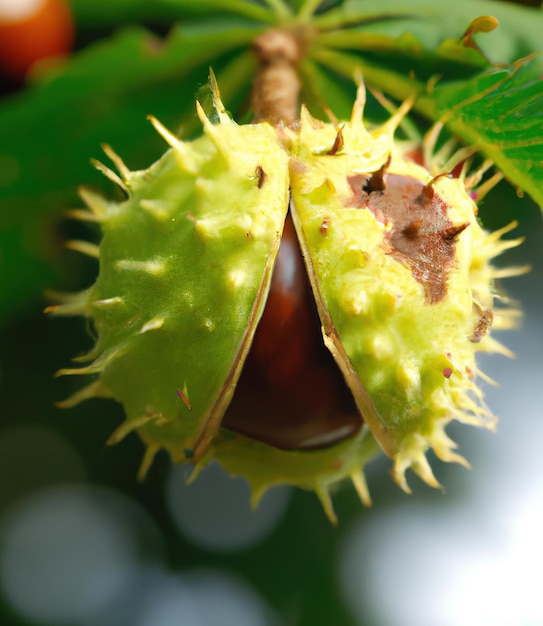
(403, 55)
(432, 22)
(119, 12)
(501, 112)
(385, 78)
(323, 91)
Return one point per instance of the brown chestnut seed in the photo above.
(291, 393)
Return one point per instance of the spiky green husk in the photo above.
(185, 267)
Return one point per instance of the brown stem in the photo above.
(276, 88)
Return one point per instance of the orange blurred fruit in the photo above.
(33, 30)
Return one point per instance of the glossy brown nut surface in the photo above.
(291, 394)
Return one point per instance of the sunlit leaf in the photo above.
(432, 22)
(501, 112)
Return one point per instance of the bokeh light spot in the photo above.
(202, 598)
(214, 511)
(69, 551)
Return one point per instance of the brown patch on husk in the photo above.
(422, 236)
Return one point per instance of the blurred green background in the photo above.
(82, 542)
